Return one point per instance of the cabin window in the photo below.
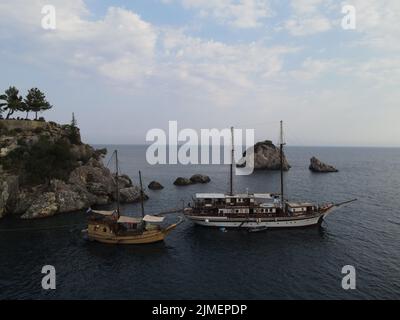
(237, 211)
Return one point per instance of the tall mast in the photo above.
(282, 143)
(141, 193)
(117, 178)
(232, 163)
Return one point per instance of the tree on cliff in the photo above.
(35, 101)
(74, 135)
(13, 101)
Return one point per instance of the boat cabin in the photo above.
(299, 208)
(247, 203)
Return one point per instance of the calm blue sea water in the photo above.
(198, 263)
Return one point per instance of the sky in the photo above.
(125, 67)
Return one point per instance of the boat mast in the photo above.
(232, 163)
(141, 193)
(281, 160)
(117, 178)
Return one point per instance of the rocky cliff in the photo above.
(266, 157)
(45, 169)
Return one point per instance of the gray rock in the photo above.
(320, 167)
(182, 181)
(131, 195)
(199, 178)
(42, 207)
(124, 181)
(154, 185)
(266, 156)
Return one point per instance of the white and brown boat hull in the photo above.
(269, 222)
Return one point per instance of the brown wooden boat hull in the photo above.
(145, 237)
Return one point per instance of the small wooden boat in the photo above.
(113, 228)
(109, 227)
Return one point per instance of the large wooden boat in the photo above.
(113, 228)
(256, 211)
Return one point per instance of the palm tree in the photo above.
(35, 101)
(13, 102)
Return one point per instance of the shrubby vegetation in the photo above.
(41, 162)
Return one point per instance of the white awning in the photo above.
(153, 219)
(210, 196)
(104, 213)
(124, 219)
(263, 195)
(227, 196)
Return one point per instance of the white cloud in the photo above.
(308, 17)
(236, 13)
(307, 26)
(378, 22)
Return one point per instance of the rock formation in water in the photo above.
(320, 167)
(196, 178)
(154, 185)
(45, 169)
(266, 157)
(200, 178)
(180, 181)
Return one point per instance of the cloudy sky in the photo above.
(124, 67)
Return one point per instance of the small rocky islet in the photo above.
(318, 166)
(266, 156)
(195, 179)
(155, 185)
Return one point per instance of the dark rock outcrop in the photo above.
(200, 178)
(266, 156)
(320, 167)
(182, 182)
(154, 185)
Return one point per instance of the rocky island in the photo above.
(266, 157)
(194, 179)
(320, 167)
(45, 169)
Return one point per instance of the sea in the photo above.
(201, 263)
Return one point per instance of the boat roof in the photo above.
(135, 220)
(300, 204)
(124, 219)
(235, 196)
(153, 219)
(103, 213)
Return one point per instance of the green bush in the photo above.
(41, 162)
(49, 161)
